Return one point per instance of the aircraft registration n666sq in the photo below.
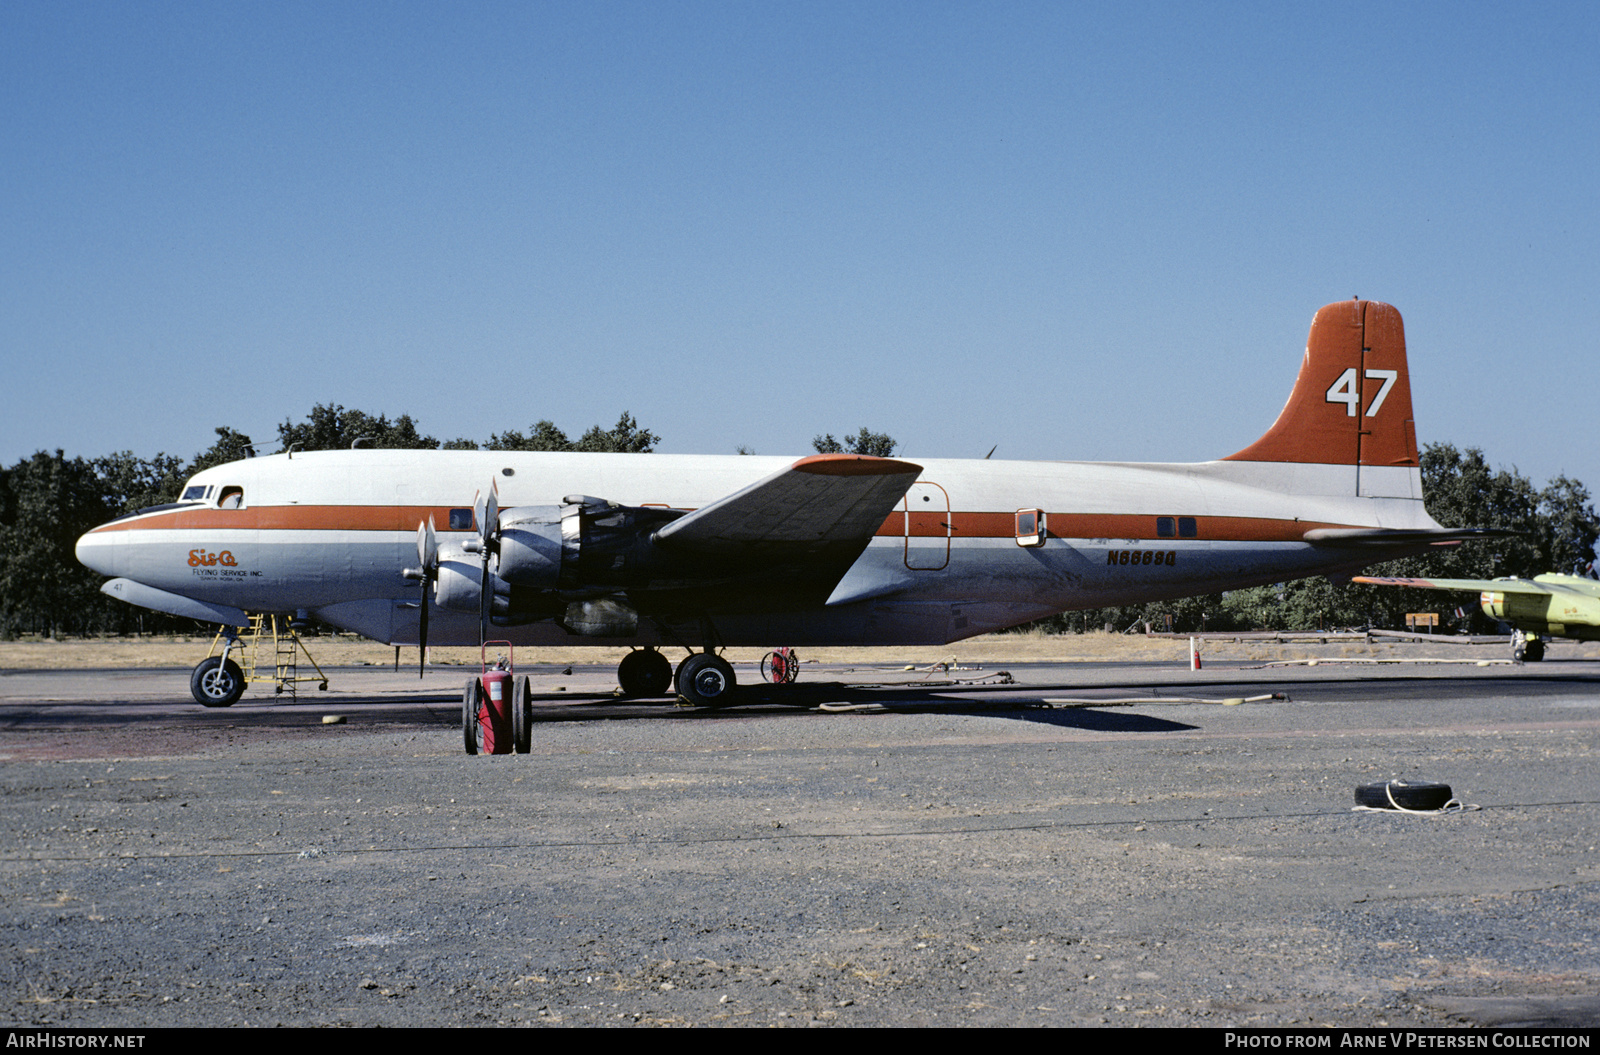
(413, 547)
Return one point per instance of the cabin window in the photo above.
(460, 520)
(231, 498)
(1175, 527)
(1031, 528)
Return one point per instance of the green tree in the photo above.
(542, 436)
(877, 444)
(46, 502)
(330, 427)
(626, 437)
(231, 446)
(129, 483)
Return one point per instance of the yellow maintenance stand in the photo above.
(219, 681)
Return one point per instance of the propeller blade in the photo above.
(422, 632)
(491, 515)
(488, 526)
(428, 557)
(485, 600)
(427, 547)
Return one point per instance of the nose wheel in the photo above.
(217, 682)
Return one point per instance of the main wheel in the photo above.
(1533, 651)
(644, 672)
(706, 680)
(217, 682)
(472, 716)
(521, 716)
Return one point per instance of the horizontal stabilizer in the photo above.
(1399, 536)
(817, 502)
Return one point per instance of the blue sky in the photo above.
(1086, 231)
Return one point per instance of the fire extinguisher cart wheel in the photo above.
(522, 716)
(472, 716)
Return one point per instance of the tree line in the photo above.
(48, 500)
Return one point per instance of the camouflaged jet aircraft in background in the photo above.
(1543, 606)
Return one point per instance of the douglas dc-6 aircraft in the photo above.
(1545, 605)
(706, 552)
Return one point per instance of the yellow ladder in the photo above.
(286, 650)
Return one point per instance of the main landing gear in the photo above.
(704, 679)
(644, 672)
(1526, 648)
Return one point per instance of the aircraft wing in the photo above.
(818, 504)
(1469, 585)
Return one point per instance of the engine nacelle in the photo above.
(536, 542)
(456, 584)
(584, 545)
(557, 561)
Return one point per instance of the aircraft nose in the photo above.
(97, 552)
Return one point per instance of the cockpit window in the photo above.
(231, 498)
(193, 493)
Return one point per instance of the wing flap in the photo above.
(818, 503)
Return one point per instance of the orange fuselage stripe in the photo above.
(922, 524)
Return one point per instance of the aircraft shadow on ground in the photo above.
(1016, 702)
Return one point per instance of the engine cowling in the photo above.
(536, 542)
(553, 561)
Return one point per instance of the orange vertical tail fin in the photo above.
(1351, 404)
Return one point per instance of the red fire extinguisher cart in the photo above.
(495, 709)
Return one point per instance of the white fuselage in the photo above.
(330, 533)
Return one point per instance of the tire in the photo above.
(1407, 795)
(521, 716)
(217, 682)
(706, 680)
(471, 711)
(644, 672)
(1533, 651)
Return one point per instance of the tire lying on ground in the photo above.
(1405, 794)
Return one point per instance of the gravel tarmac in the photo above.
(956, 855)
